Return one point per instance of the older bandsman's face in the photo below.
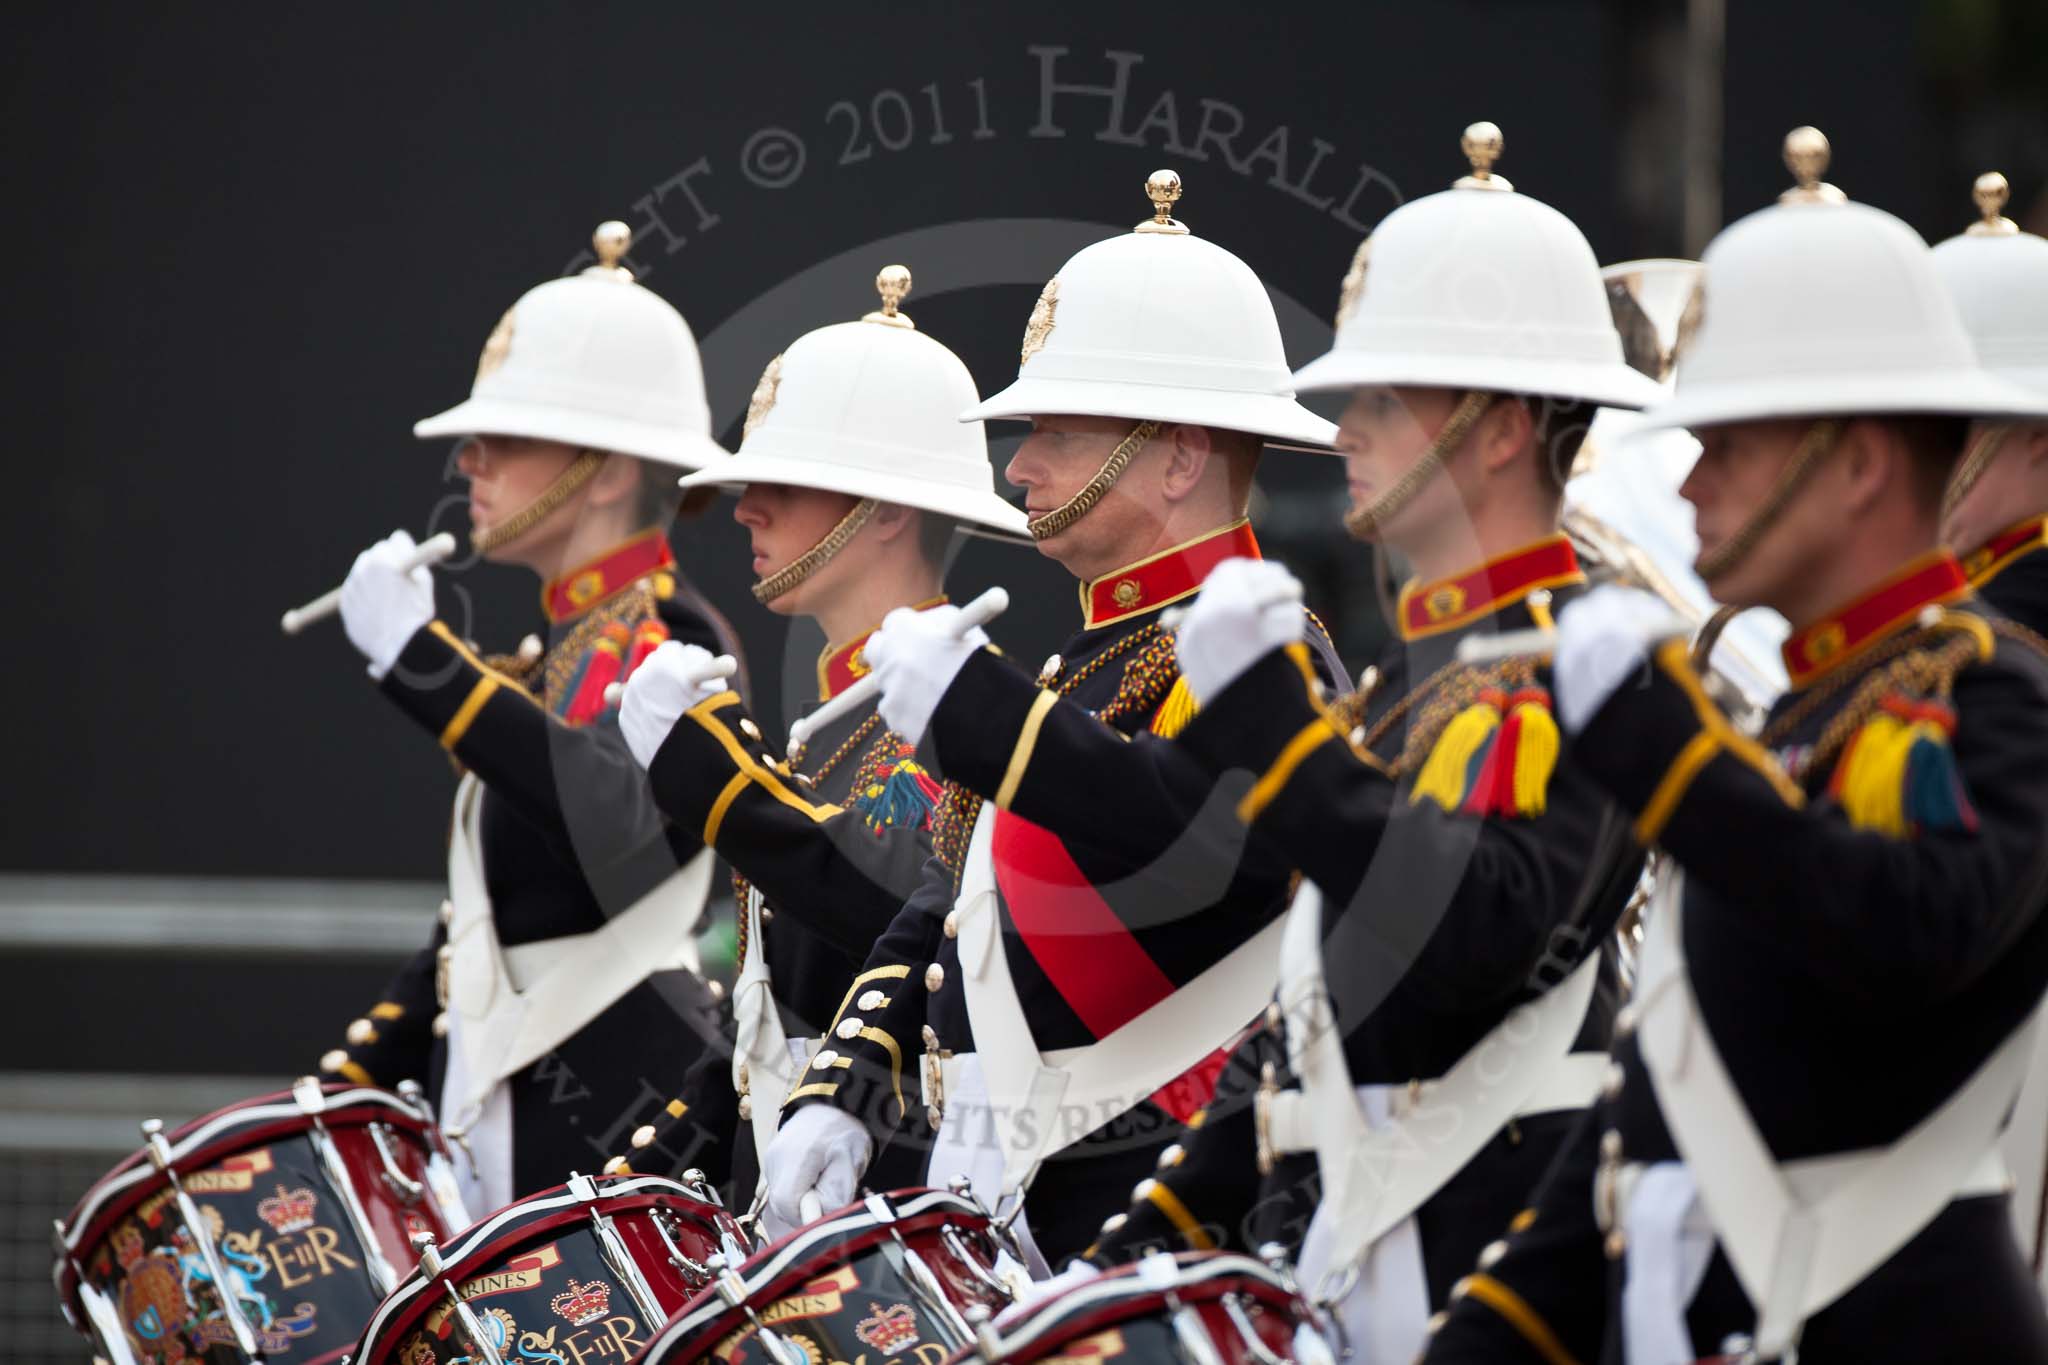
(1056, 461)
(1738, 468)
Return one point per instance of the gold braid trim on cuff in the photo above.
(580, 471)
(1368, 519)
(1078, 506)
(815, 558)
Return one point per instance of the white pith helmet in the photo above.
(871, 408)
(1818, 307)
(1998, 277)
(593, 360)
(1479, 288)
(1158, 325)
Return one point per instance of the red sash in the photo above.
(1091, 959)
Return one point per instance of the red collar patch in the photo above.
(1929, 580)
(1166, 577)
(582, 588)
(1448, 603)
(1984, 563)
(841, 666)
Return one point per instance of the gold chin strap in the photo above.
(581, 470)
(1076, 507)
(815, 558)
(1815, 446)
(1975, 461)
(1370, 518)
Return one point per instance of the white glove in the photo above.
(381, 605)
(1247, 607)
(1034, 1292)
(668, 682)
(916, 655)
(1603, 638)
(821, 1150)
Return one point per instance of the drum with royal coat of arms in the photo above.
(1196, 1308)
(581, 1274)
(268, 1230)
(892, 1280)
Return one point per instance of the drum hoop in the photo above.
(1120, 1295)
(795, 1260)
(540, 1212)
(205, 1140)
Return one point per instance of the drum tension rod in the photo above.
(924, 1282)
(698, 1273)
(434, 1268)
(733, 1290)
(312, 1101)
(1233, 1309)
(408, 1190)
(615, 1255)
(202, 1237)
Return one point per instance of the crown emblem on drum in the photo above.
(581, 1303)
(891, 1330)
(288, 1210)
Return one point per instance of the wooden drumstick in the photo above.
(431, 551)
(724, 666)
(979, 612)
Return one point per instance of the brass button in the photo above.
(334, 1061)
(768, 761)
(1276, 1018)
(952, 924)
(1610, 1145)
(1610, 1085)
(934, 977)
(643, 1136)
(749, 729)
(1490, 1256)
(1436, 1322)
(447, 911)
(717, 990)
(1114, 1224)
(1142, 1191)
(530, 649)
(931, 1114)
(746, 1107)
(824, 1059)
(1624, 1022)
(1050, 670)
(1616, 1245)
(1170, 1156)
(1461, 1288)
(870, 1000)
(361, 1033)
(617, 1166)
(441, 1024)
(848, 1028)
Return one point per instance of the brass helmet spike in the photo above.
(1807, 154)
(1163, 189)
(893, 284)
(1482, 144)
(610, 242)
(1991, 192)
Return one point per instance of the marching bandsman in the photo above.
(1056, 995)
(1441, 1017)
(1996, 512)
(853, 474)
(1998, 277)
(1794, 1154)
(558, 998)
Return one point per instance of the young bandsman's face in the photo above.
(2007, 490)
(1738, 467)
(506, 473)
(782, 523)
(1382, 433)
(1057, 460)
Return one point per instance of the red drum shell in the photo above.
(535, 1275)
(296, 1256)
(834, 1288)
(1125, 1315)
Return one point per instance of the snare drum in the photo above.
(893, 1278)
(299, 1205)
(1198, 1308)
(580, 1274)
